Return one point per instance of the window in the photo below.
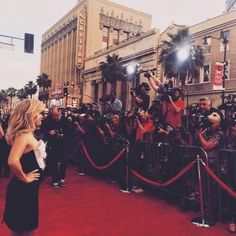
(115, 37)
(206, 73)
(105, 37)
(124, 36)
(190, 80)
(207, 45)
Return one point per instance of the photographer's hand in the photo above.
(52, 132)
(132, 93)
(177, 109)
(108, 104)
(162, 131)
(137, 99)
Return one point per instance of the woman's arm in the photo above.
(1, 132)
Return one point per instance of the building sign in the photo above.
(71, 102)
(81, 37)
(218, 74)
(55, 92)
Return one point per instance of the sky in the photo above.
(36, 16)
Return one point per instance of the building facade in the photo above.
(139, 50)
(91, 26)
(210, 31)
(73, 48)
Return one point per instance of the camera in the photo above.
(233, 122)
(229, 110)
(203, 122)
(59, 133)
(103, 120)
(174, 133)
(133, 117)
(167, 90)
(199, 120)
(105, 98)
(147, 72)
(136, 90)
(230, 104)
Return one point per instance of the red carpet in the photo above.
(95, 207)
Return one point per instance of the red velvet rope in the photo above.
(168, 182)
(107, 165)
(220, 182)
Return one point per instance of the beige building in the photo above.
(73, 48)
(137, 50)
(91, 26)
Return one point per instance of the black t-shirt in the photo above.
(145, 104)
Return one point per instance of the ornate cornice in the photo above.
(59, 34)
(112, 22)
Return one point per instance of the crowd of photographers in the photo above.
(165, 120)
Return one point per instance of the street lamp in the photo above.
(225, 42)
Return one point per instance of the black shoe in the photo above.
(55, 185)
(62, 183)
(191, 196)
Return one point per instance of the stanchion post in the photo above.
(81, 168)
(126, 190)
(200, 221)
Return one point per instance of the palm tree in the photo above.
(44, 82)
(171, 61)
(11, 92)
(22, 94)
(30, 88)
(111, 70)
(3, 97)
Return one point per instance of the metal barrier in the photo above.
(213, 179)
(179, 170)
(109, 159)
(224, 166)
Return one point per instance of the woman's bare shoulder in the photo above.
(22, 138)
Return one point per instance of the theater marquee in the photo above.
(81, 37)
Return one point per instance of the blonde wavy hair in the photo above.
(22, 119)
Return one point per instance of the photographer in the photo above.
(170, 98)
(113, 105)
(163, 89)
(173, 109)
(198, 118)
(144, 128)
(141, 96)
(115, 127)
(56, 131)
